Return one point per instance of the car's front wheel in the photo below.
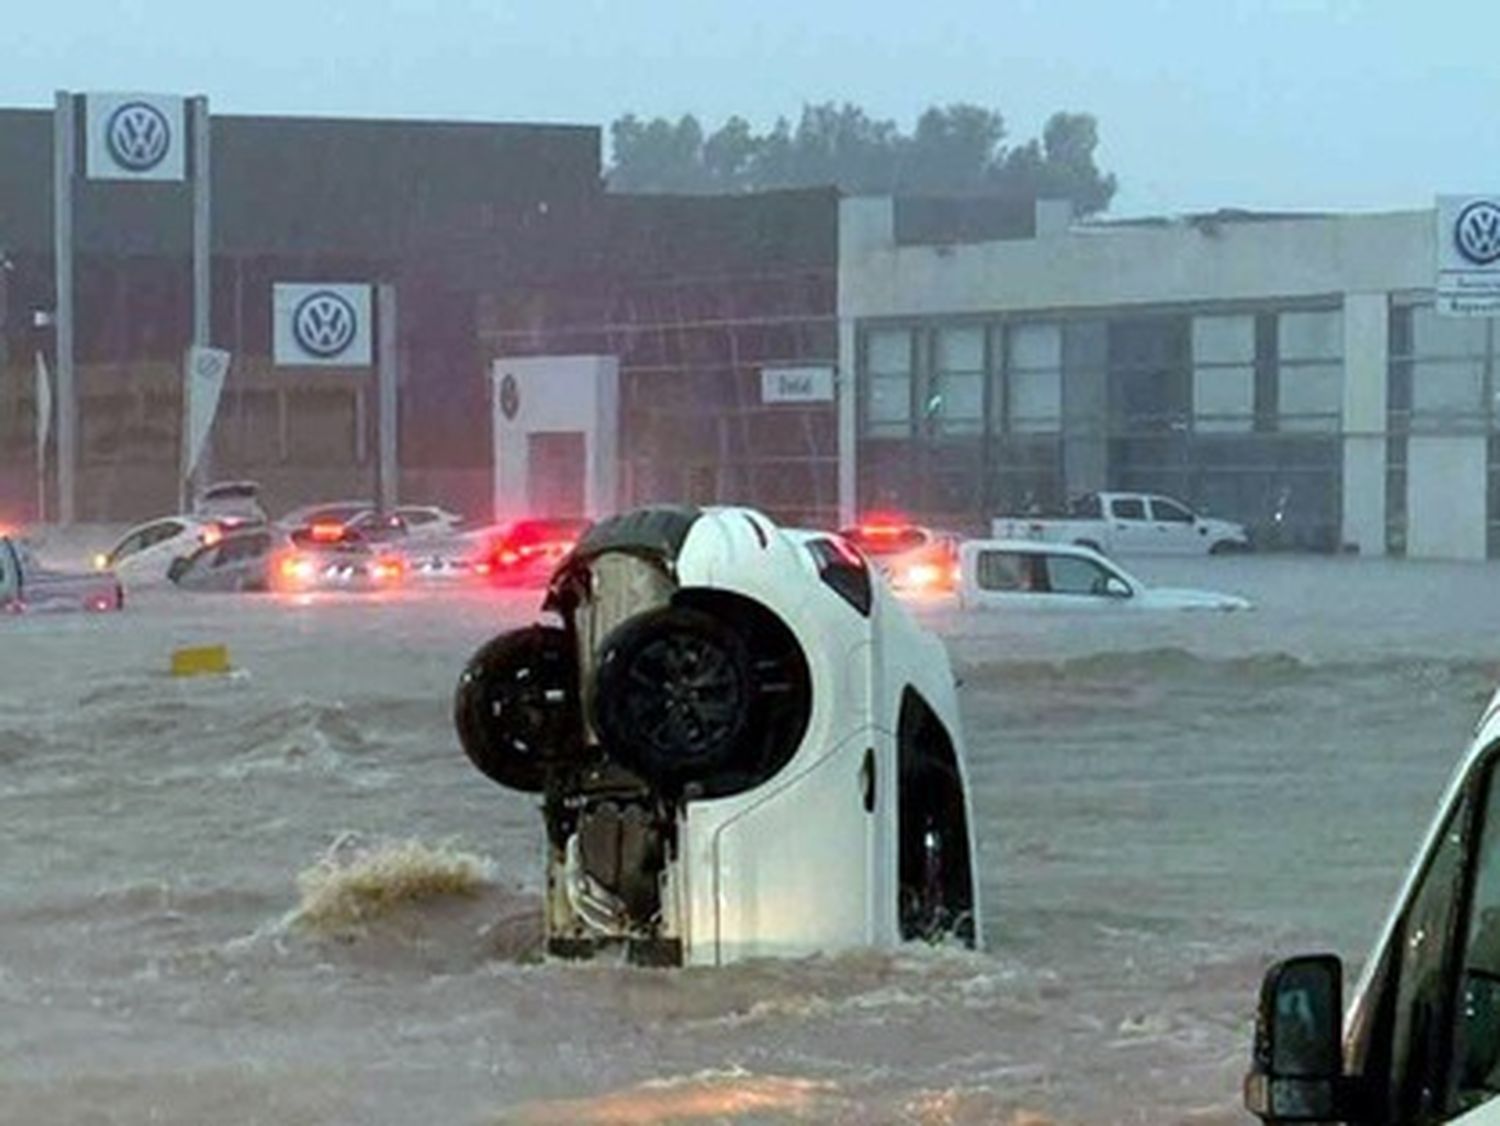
(673, 695)
(516, 708)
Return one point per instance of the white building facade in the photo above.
(1289, 372)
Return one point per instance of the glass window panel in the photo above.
(1223, 399)
(889, 400)
(1311, 396)
(1035, 401)
(1033, 346)
(889, 350)
(1003, 570)
(1224, 340)
(1310, 336)
(1448, 387)
(960, 407)
(960, 349)
(1432, 335)
(1067, 574)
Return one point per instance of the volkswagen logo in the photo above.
(324, 323)
(1476, 232)
(138, 136)
(510, 397)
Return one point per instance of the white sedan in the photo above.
(144, 554)
(1029, 574)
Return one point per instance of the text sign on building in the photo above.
(135, 137)
(321, 324)
(1468, 255)
(796, 385)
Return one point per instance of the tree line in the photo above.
(958, 149)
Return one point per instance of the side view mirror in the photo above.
(1296, 1069)
(1116, 587)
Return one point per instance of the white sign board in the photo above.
(796, 385)
(1468, 255)
(321, 324)
(135, 137)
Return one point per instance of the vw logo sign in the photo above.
(1476, 232)
(324, 323)
(510, 397)
(138, 136)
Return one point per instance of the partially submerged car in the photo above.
(28, 587)
(260, 559)
(232, 504)
(1420, 1041)
(744, 747)
(914, 559)
(145, 553)
(1032, 574)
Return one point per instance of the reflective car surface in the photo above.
(28, 587)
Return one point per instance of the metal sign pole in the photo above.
(64, 155)
(202, 293)
(387, 375)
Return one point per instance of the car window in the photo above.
(1086, 507)
(243, 547)
(1171, 511)
(1068, 574)
(1476, 1024)
(1003, 570)
(10, 579)
(1128, 509)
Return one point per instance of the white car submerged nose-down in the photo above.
(743, 744)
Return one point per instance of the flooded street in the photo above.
(1163, 803)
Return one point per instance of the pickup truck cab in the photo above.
(1420, 1042)
(28, 587)
(1129, 524)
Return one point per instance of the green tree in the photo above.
(957, 149)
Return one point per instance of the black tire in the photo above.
(673, 695)
(516, 707)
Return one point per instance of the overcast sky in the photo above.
(1311, 104)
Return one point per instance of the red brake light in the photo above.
(388, 569)
(327, 532)
(211, 534)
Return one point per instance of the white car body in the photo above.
(1433, 977)
(26, 587)
(1032, 575)
(427, 521)
(1130, 524)
(144, 554)
(808, 858)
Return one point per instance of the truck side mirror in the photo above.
(1296, 1071)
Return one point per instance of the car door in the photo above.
(1130, 528)
(1176, 528)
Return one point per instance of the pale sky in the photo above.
(1298, 104)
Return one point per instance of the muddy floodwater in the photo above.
(284, 897)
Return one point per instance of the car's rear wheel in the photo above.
(516, 708)
(673, 696)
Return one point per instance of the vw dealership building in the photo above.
(811, 355)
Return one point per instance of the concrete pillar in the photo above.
(1366, 367)
(866, 225)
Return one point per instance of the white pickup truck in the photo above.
(1128, 524)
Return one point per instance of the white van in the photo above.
(1420, 1042)
(744, 747)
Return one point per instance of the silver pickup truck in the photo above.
(28, 587)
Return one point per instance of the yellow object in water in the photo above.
(201, 660)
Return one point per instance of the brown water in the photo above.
(1163, 805)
